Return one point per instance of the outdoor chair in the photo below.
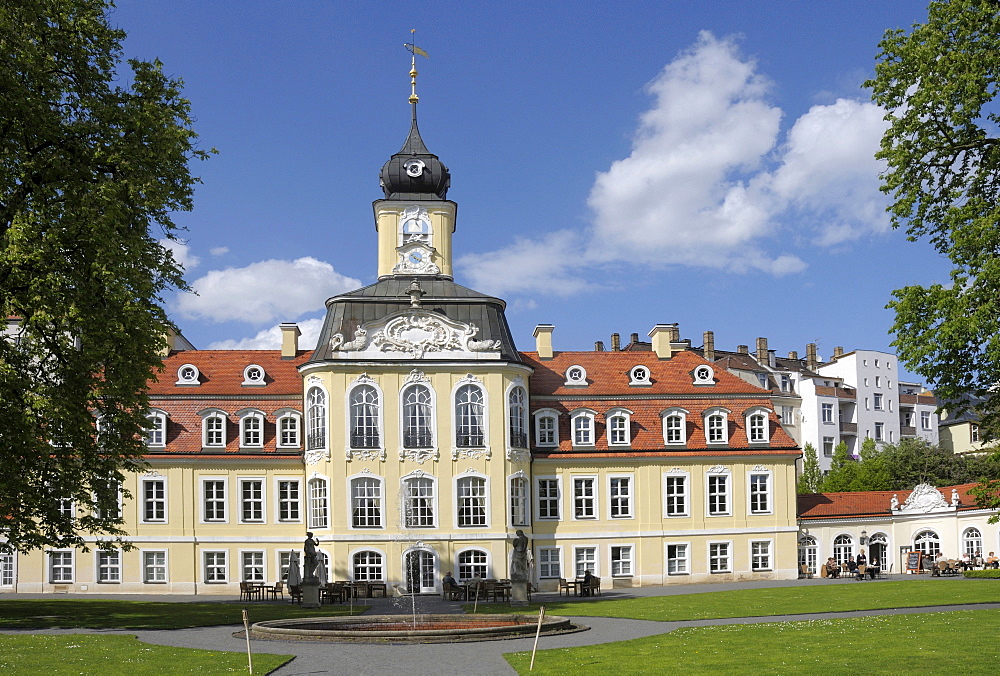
(564, 586)
(247, 593)
(296, 594)
(860, 575)
(276, 590)
(804, 569)
(595, 586)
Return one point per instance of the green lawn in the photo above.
(108, 614)
(836, 596)
(960, 642)
(88, 654)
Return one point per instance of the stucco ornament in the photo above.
(471, 453)
(418, 332)
(365, 454)
(418, 455)
(315, 455)
(924, 498)
(360, 340)
(518, 455)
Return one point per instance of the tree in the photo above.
(939, 83)
(811, 475)
(90, 172)
(873, 471)
(843, 470)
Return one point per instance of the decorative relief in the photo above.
(359, 343)
(418, 455)
(675, 470)
(314, 455)
(314, 380)
(153, 474)
(518, 380)
(758, 468)
(518, 455)
(365, 454)
(363, 379)
(415, 474)
(925, 498)
(416, 376)
(519, 474)
(417, 332)
(469, 379)
(718, 469)
(471, 453)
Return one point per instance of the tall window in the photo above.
(548, 498)
(318, 509)
(878, 401)
(925, 420)
(418, 508)
(60, 567)
(315, 419)
(252, 564)
(618, 430)
(417, 417)
(718, 557)
(585, 559)
(583, 429)
(621, 560)
(214, 492)
(827, 410)
(843, 548)
(673, 428)
(288, 431)
(368, 566)
(366, 502)
(972, 542)
(757, 428)
(472, 563)
(156, 433)
(154, 567)
(288, 500)
(154, 500)
(677, 559)
(471, 501)
(760, 555)
(927, 542)
(364, 417)
(215, 567)
(715, 425)
(879, 431)
(548, 562)
(973, 433)
(546, 429)
(519, 501)
(6, 570)
(585, 498)
(214, 429)
(518, 422)
(620, 497)
(807, 553)
(252, 430)
(252, 500)
(109, 567)
(469, 409)
(676, 495)
(787, 415)
(827, 447)
(718, 494)
(760, 493)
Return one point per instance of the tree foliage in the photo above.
(938, 83)
(811, 475)
(90, 172)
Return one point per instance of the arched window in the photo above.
(472, 563)
(878, 550)
(213, 429)
(675, 426)
(807, 553)
(546, 427)
(417, 417)
(469, 409)
(418, 502)
(519, 501)
(928, 542)
(972, 542)
(517, 412)
(757, 427)
(156, 429)
(619, 422)
(582, 424)
(716, 426)
(843, 548)
(364, 417)
(368, 566)
(252, 429)
(315, 419)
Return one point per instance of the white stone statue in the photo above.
(894, 503)
(954, 497)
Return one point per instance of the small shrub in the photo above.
(992, 573)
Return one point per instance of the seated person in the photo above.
(940, 563)
(832, 569)
(449, 583)
(588, 580)
(873, 568)
(992, 561)
(966, 561)
(852, 565)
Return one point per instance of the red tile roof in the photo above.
(867, 503)
(222, 373)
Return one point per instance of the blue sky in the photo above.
(616, 165)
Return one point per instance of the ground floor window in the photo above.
(284, 561)
(718, 557)
(677, 559)
(215, 567)
(6, 570)
(621, 561)
(586, 559)
(760, 555)
(548, 562)
(109, 567)
(253, 566)
(972, 542)
(807, 554)
(843, 549)
(367, 566)
(472, 563)
(927, 542)
(154, 567)
(60, 567)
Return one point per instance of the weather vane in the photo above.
(414, 50)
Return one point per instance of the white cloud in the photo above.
(263, 292)
(270, 339)
(181, 252)
(545, 264)
(219, 250)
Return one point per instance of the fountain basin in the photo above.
(409, 629)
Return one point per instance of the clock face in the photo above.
(415, 258)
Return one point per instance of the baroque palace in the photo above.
(415, 438)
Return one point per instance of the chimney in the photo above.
(792, 354)
(599, 346)
(838, 352)
(762, 351)
(634, 338)
(742, 349)
(662, 336)
(811, 360)
(616, 342)
(709, 345)
(289, 339)
(543, 340)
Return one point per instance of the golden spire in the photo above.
(414, 50)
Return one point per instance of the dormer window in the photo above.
(704, 375)
(582, 424)
(758, 427)
(717, 426)
(619, 427)
(251, 428)
(213, 428)
(675, 426)
(253, 376)
(639, 377)
(188, 375)
(156, 430)
(576, 376)
(546, 427)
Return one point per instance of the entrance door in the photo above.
(419, 565)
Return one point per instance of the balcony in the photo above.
(850, 429)
(421, 439)
(364, 440)
(907, 431)
(518, 440)
(470, 440)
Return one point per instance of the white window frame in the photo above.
(283, 506)
(188, 375)
(483, 564)
(972, 544)
(787, 415)
(379, 427)
(8, 569)
(147, 501)
(685, 479)
(625, 502)
(684, 561)
(152, 569)
(826, 413)
(767, 554)
(639, 376)
(431, 429)
(878, 402)
(251, 428)
(540, 436)
(758, 433)
(318, 502)
(288, 423)
(375, 572)
(317, 432)
(261, 501)
(712, 435)
(458, 426)
(546, 557)
(576, 376)
(519, 503)
(212, 437)
(517, 423)
(714, 557)
(102, 565)
(583, 420)
(624, 415)
(379, 498)
(156, 431)
(625, 565)
(580, 562)
(843, 547)
(925, 420)
(879, 431)
(833, 446)
(585, 507)
(65, 567)
(254, 376)
(675, 413)
(282, 560)
(244, 566)
(710, 493)
(768, 493)
(213, 569)
(549, 500)
(459, 482)
(207, 515)
(405, 497)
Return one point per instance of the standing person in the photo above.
(862, 559)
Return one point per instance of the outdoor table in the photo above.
(256, 589)
(376, 587)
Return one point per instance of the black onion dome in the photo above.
(414, 173)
